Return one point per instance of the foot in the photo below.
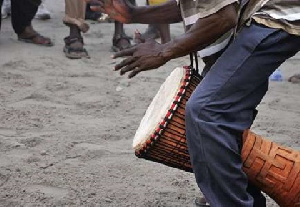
(42, 13)
(31, 36)
(121, 42)
(151, 32)
(295, 78)
(74, 48)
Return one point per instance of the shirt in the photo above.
(192, 10)
(279, 14)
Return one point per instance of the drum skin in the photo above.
(273, 168)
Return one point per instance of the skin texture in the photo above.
(151, 55)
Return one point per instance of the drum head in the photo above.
(159, 107)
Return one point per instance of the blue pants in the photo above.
(223, 106)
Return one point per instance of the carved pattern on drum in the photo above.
(273, 168)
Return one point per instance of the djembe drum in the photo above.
(161, 138)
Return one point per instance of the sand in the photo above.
(66, 126)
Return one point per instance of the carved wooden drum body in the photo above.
(161, 138)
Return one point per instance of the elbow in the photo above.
(231, 22)
(229, 17)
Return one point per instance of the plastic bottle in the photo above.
(276, 76)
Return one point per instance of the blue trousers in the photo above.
(223, 106)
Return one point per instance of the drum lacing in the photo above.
(193, 56)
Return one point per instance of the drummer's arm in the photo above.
(203, 33)
(166, 13)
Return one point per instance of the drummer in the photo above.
(223, 105)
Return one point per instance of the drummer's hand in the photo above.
(143, 57)
(119, 10)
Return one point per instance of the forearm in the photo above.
(203, 33)
(166, 13)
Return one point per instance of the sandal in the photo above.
(36, 39)
(74, 48)
(295, 78)
(118, 43)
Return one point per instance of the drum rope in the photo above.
(193, 56)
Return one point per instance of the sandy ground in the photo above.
(66, 126)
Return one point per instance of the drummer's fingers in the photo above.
(123, 53)
(136, 71)
(125, 62)
(128, 68)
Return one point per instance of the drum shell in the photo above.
(170, 146)
(273, 168)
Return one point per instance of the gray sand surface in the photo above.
(66, 126)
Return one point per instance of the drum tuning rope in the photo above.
(194, 56)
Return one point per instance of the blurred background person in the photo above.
(75, 20)
(120, 40)
(22, 12)
(5, 9)
(157, 30)
(43, 13)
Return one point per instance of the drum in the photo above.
(161, 134)
(273, 168)
(161, 138)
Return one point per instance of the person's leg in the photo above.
(164, 30)
(22, 13)
(157, 30)
(120, 40)
(92, 15)
(223, 106)
(74, 19)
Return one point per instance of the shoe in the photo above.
(201, 202)
(74, 48)
(42, 13)
(6, 9)
(121, 42)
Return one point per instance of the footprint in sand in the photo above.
(48, 190)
